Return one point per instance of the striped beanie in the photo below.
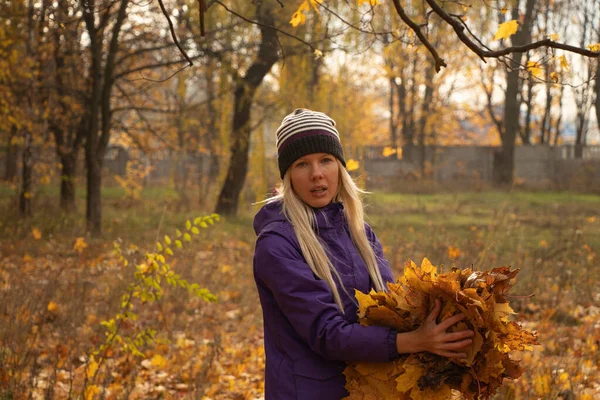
(304, 132)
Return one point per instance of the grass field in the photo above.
(55, 291)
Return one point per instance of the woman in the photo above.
(313, 250)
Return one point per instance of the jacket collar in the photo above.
(325, 217)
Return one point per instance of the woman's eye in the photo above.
(327, 160)
(301, 164)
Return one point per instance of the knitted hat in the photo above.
(304, 132)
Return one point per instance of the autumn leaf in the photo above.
(370, 2)
(595, 47)
(480, 296)
(37, 235)
(158, 361)
(52, 306)
(534, 68)
(79, 245)
(388, 151)
(564, 63)
(453, 252)
(554, 77)
(554, 37)
(91, 392)
(318, 53)
(352, 165)
(506, 30)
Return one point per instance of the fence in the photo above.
(535, 166)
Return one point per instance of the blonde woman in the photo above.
(313, 249)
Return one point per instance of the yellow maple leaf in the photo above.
(299, 18)
(370, 2)
(352, 165)
(409, 378)
(453, 252)
(506, 30)
(318, 53)
(36, 233)
(388, 151)
(79, 245)
(554, 77)
(52, 306)
(92, 368)
(428, 267)
(534, 68)
(158, 361)
(595, 47)
(91, 391)
(554, 37)
(564, 63)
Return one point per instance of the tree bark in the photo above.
(68, 164)
(10, 163)
(504, 165)
(227, 204)
(26, 178)
(99, 110)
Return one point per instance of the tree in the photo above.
(245, 89)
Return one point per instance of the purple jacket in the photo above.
(307, 339)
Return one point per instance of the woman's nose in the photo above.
(316, 172)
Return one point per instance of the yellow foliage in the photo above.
(595, 47)
(480, 296)
(564, 63)
(388, 151)
(79, 245)
(158, 361)
(370, 2)
(299, 17)
(506, 30)
(36, 233)
(52, 306)
(534, 68)
(554, 37)
(91, 391)
(453, 252)
(352, 165)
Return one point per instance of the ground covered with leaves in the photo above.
(59, 290)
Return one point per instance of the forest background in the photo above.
(87, 296)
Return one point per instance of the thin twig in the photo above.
(173, 35)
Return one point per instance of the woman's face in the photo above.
(315, 178)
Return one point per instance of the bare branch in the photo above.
(460, 32)
(264, 25)
(439, 62)
(173, 35)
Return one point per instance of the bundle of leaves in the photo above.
(481, 296)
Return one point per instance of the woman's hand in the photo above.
(432, 337)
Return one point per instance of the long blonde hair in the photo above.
(302, 218)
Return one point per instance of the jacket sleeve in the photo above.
(384, 265)
(308, 304)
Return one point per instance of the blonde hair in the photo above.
(302, 218)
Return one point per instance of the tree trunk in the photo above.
(227, 204)
(504, 165)
(597, 91)
(393, 139)
(26, 180)
(93, 199)
(67, 181)
(10, 163)
(425, 114)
